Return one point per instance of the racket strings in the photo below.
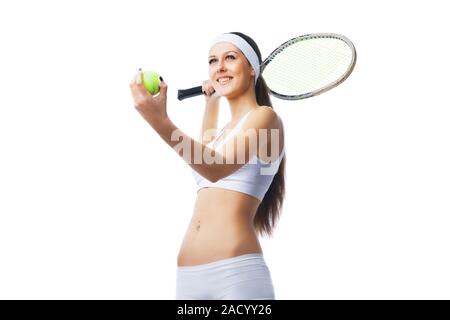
(317, 63)
(317, 68)
(308, 65)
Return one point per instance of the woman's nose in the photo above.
(220, 66)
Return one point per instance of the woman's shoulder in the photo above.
(264, 107)
(268, 115)
(268, 110)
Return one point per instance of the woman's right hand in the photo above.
(211, 96)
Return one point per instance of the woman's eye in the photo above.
(228, 56)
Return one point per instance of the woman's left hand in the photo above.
(152, 108)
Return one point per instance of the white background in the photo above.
(94, 205)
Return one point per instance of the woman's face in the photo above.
(229, 70)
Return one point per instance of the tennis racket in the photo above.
(303, 67)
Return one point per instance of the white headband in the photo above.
(243, 45)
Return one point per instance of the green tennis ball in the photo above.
(151, 81)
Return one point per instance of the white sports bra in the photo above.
(253, 178)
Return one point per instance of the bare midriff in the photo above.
(221, 227)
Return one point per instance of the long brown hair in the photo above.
(269, 209)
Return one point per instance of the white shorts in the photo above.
(242, 277)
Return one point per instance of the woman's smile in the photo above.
(224, 80)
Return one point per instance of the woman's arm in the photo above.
(210, 119)
(214, 165)
(206, 161)
(211, 113)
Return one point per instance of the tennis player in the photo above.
(237, 201)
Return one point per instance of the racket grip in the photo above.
(189, 93)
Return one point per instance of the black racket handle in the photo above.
(189, 93)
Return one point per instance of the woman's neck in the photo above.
(241, 105)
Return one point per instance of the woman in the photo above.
(221, 257)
